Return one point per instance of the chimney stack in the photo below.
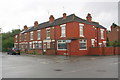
(25, 27)
(89, 17)
(64, 15)
(35, 23)
(51, 18)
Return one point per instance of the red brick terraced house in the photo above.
(68, 35)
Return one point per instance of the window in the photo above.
(48, 33)
(31, 35)
(62, 45)
(104, 43)
(48, 44)
(83, 44)
(40, 45)
(39, 34)
(102, 33)
(30, 45)
(93, 42)
(25, 36)
(26, 45)
(63, 30)
(16, 37)
(44, 45)
(81, 30)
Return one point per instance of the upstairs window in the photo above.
(48, 33)
(16, 38)
(83, 44)
(39, 35)
(31, 35)
(102, 33)
(81, 27)
(63, 30)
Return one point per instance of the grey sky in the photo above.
(25, 12)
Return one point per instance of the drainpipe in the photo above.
(55, 41)
(97, 37)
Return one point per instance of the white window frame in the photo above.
(86, 44)
(104, 43)
(48, 37)
(16, 37)
(31, 35)
(93, 42)
(39, 36)
(62, 41)
(48, 44)
(102, 33)
(30, 45)
(81, 30)
(63, 30)
(40, 43)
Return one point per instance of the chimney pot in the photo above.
(51, 18)
(89, 17)
(25, 27)
(64, 15)
(35, 23)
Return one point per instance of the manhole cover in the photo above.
(57, 69)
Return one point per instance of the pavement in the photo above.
(52, 66)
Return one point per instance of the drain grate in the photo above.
(57, 69)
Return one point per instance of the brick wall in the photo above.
(104, 51)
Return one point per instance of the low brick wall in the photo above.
(50, 52)
(104, 51)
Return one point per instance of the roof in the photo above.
(59, 21)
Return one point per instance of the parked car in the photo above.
(14, 51)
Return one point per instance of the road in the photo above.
(43, 66)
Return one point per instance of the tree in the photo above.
(8, 39)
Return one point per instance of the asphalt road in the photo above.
(42, 66)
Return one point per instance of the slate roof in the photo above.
(59, 21)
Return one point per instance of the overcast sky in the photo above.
(15, 13)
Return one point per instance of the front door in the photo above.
(44, 47)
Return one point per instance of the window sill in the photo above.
(82, 49)
(62, 36)
(62, 49)
(81, 35)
